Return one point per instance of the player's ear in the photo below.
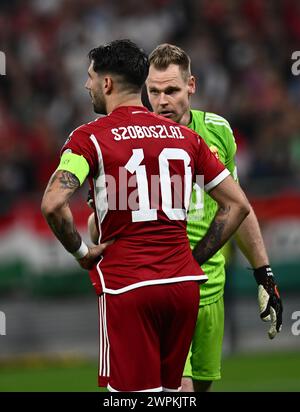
(191, 85)
(107, 84)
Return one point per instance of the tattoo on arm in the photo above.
(214, 238)
(66, 179)
(64, 184)
(66, 232)
(69, 181)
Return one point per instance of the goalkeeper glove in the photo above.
(269, 302)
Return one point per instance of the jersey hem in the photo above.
(198, 278)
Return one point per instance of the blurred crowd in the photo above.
(241, 55)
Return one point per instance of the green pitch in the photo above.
(274, 372)
(261, 372)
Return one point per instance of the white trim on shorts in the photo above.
(159, 389)
(104, 346)
(171, 390)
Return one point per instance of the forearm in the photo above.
(226, 221)
(55, 208)
(250, 241)
(62, 225)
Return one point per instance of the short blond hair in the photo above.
(165, 54)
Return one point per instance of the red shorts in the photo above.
(146, 335)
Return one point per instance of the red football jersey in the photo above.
(141, 171)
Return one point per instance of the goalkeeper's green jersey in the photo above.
(217, 134)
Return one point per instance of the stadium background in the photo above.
(241, 55)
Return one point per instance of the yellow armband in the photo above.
(75, 164)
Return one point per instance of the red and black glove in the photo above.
(269, 302)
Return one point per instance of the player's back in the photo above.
(142, 167)
(145, 160)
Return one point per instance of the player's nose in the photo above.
(162, 99)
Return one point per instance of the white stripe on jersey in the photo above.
(219, 123)
(218, 179)
(216, 117)
(100, 192)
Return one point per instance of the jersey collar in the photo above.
(130, 109)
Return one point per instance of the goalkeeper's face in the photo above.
(169, 93)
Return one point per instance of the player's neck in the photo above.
(186, 118)
(126, 100)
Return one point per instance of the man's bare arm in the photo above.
(250, 241)
(233, 209)
(55, 208)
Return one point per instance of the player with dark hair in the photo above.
(170, 86)
(143, 268)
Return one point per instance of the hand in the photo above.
(269, 302)
(94, 253)
(90, 200)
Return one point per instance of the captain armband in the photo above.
(75, 164)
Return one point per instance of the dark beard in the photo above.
(100, 108)
(99, 104)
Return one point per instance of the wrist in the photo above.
(262, 273)
(81, 252)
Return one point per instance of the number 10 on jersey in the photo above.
(145, 212)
